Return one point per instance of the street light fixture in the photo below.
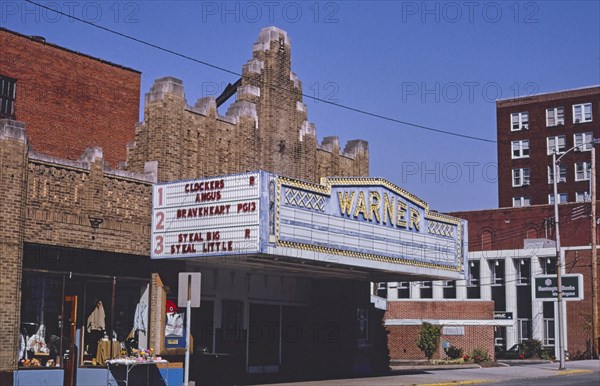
(559, 265)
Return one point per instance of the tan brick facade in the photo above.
(265, 128)
(13, 163)
(77, 204)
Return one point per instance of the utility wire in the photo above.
(184, 56)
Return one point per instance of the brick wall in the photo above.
(402, 342)
(64, 199)
(579, 313)
(265, 128)
(70, 101)
(508, 227)
(402, 339)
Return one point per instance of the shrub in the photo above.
(429, 339)
(479, 355)
(532, 348)
(454, 352)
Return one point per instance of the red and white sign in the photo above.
(214, 216)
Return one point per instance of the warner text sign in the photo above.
(367, 218)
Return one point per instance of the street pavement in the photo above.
(518, 373)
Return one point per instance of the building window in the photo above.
(556, 144)
(7, 97)
(562, 174)
(548, 265)
(520, 149)
(520, 177)
(473, 288)
(582, 197)
(449, 288)
(582, 171)
(497, 268)
(523, 330)
(523, 268)
(548, 314)
(52, 302)
(403, 290)
(563, 197)
(426, 290)
(521, 201)
(555, 116)
(381, 289)
(582, 141)
(519, 121)
(582, 113)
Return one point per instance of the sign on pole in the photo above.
(188, 296)
(546, 288)
(189, 283)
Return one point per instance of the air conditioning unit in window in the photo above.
(577, 121)
(562, 179)
(526, 127)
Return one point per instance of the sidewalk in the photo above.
(425, 375)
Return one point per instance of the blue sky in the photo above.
(437, 64)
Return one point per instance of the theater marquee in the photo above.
(215, 216)
(351, 221)
(367, 218)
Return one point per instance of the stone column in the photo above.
(13, 193)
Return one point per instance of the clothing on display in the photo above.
(37, 342)
(96, 320)
(141, 316)
(174, 326)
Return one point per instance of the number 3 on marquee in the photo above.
(159, 245)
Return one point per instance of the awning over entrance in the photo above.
(344, 227)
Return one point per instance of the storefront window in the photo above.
(41, 316)
(109, 316)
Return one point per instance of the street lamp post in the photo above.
(595, 327)
(559, 265)
(561, 335)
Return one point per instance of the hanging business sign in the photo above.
(204, 217)
(546, 287)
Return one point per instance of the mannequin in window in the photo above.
(96, 324)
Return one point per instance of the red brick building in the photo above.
(530, 129)
(510, 246)
(519, 232)
(69, 100)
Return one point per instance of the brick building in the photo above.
(530, 129)
(509, 246)
(76, 235)
(69, 100)
(522, 241)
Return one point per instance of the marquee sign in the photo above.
(367, 218)
(216, 216)
(367, 222)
